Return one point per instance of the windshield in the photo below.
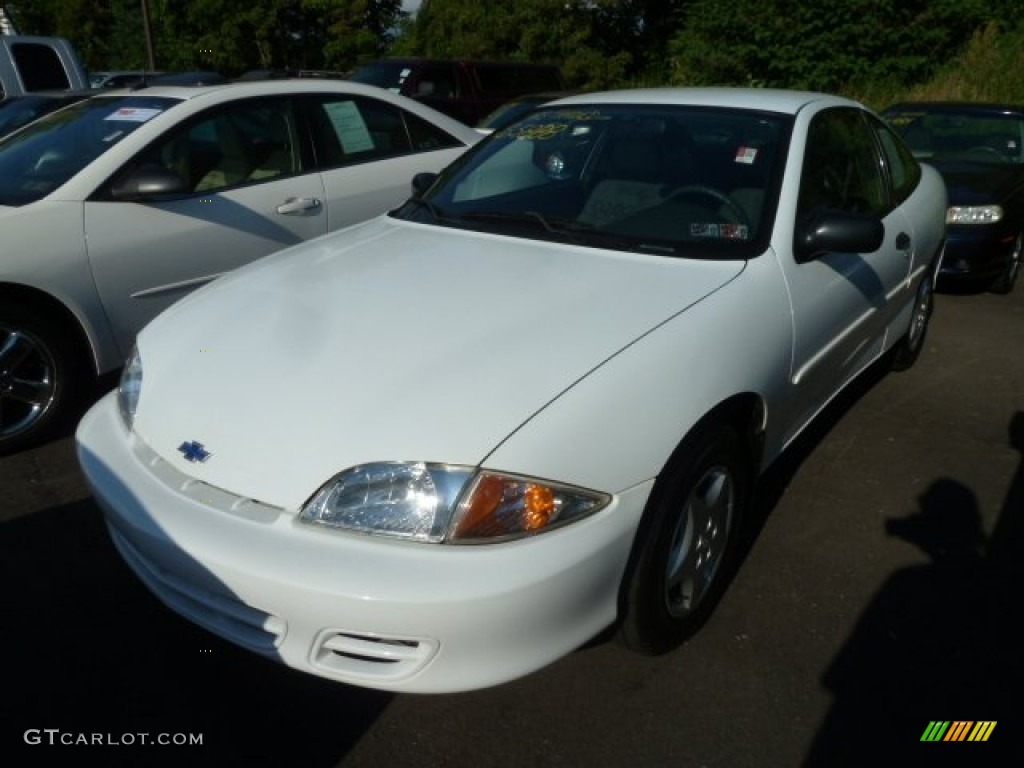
(950, 135)
(37, 160)
(673, 180)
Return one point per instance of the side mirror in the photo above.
(836, 231)
(421, 182)
(148, 184)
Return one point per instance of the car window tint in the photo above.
(248, 142)
(842, 168)
(904, 170)
(349, 130)
(426, 136)
(438, 81)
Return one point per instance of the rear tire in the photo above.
(688, 541)
(40, 378)
(908, 349)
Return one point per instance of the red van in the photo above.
(464, 89)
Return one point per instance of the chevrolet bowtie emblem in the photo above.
(194, 451)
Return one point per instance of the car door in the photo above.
(843, 302)
(250, 191)
(369, 150)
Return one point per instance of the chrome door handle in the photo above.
(299, 205)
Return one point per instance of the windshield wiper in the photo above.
(436, 212)
(564, 228)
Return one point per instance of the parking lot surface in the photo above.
(880, 594)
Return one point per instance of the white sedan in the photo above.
(446, 447)
(113, 208)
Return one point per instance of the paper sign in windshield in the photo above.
(350, 127)
(133, 114)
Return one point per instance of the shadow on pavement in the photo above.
(88, 650)
(939, 642)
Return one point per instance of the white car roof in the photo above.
(773, 100)
(203, 95)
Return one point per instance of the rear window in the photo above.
(40, 67)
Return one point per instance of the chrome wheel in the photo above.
(1004, 283)
(27, 381)
(922, 311)
(699, 541)
(908, 349)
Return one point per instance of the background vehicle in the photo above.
(979, 150)
(118, 78)
(30, 63)
(466, 90)
(512, 110)
(17, 111)
(535, 400)
(116, 207)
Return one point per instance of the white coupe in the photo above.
(117, 206)
(443, 448)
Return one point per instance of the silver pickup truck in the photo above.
(30, 63)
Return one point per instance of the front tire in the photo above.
(687, 543)
(37, 369)
(1004, 283)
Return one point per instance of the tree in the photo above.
(788, 43)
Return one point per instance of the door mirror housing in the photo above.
(837, 231)
(148, 184)
(421, 182)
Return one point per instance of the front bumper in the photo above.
(363, 610)
(976, 252)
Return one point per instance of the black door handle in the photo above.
(903, 241)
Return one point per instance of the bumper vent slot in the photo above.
(372, 657)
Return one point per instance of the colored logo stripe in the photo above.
(982, 730)
(958, 730)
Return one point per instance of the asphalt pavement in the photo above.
(880, 595)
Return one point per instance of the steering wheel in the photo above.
(718, 196)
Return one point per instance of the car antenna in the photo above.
(142, 82)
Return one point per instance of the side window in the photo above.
(437, 81)
(351, 129)
(842, 168)
(245, 143)
(904, 170)
(427, 136)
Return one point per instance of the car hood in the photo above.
(976, 183)
(390, 341)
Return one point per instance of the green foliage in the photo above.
(787, 43)
(226, 35)
(876, 50)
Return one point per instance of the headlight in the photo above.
(443, 503)
(130, 387)
(974, 214)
